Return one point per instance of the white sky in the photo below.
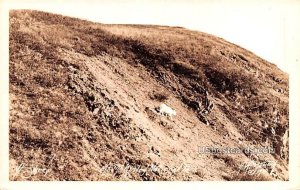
(268, 29)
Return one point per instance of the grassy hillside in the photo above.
(84, 98)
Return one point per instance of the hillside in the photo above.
(85, 97)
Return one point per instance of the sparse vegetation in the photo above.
(160, 96)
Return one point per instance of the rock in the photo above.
(95, 112)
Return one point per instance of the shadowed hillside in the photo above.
(85, 104)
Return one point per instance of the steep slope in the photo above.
(84, 101)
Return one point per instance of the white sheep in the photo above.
(166, 110)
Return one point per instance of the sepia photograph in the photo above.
(149, 91)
